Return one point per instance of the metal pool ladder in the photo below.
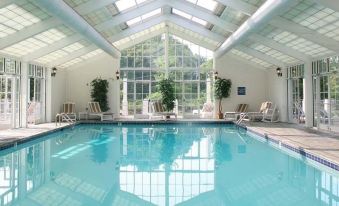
(62, 116)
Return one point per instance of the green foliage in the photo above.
(99, 89)
(222, 88)
(166, 88)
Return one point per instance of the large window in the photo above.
(10, 70)
(326, 93)
(144, 64)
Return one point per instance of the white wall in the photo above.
(58, 92)
(80, 76)
(277, 92)
(243, 74)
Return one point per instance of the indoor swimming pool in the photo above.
(161, 164)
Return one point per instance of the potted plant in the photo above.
(222, 89)
(166, 88)
(99, 89)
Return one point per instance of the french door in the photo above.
(296, 108)
(326, 98)
(9, 101)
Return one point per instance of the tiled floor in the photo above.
(12, 135)
(318, 143)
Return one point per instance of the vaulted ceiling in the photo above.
(33, 32)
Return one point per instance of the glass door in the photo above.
(327, 107)
(296, 94)
(9, 101)
(297, 104)
(34, 111)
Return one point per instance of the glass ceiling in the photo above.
(316, 17)
(207, 4)
(38, 41)
(81, 58)
(15, 17)
(144, 17)
(62, 52)
(190, 17)
(251, 58)
(23, 14)
(123, 5)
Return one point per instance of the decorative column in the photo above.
(308, 94)
(24, 94)
(124, 97)
(208, 90)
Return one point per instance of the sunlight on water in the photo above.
(160, 165)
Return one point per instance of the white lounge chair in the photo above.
(207, 110)
(241, 108)
(95, 110)
(158, 110)
(267, 112)
(68, 113)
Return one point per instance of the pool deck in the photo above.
(320, 144)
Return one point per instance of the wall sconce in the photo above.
(279, 72)
(53, 73)
(216, 75)
(117, 74)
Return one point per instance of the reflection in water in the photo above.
(133, 165)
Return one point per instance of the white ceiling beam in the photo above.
(137, 28)
(52, 47)
(92, 5)
(73, 55)
(29, 32)
(280, 47)
(203, 14)
(189, 25)
(260, 55)
(269, 10)
(305, 33)
(331, 4)
(60, 10)
(121, 18)
(172, 18)
(244, 7)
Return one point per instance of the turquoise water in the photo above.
(160, 165)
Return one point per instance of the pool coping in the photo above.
(322, 160)
(301, 151)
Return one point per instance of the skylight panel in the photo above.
(16, 17)
(143, 17)
(125, 4)
(207, 4)
(24, 47)
(151, 14)
(199, 21)
(251, 58)
(81, 58)
(190, 17)
(182, 14)
(134, 21)
(50, 36)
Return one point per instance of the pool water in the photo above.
(174, 164)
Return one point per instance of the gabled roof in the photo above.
(308, 30)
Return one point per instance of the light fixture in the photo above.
(53, 73)
(117, 74)
(216, 75)
(279, 72)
